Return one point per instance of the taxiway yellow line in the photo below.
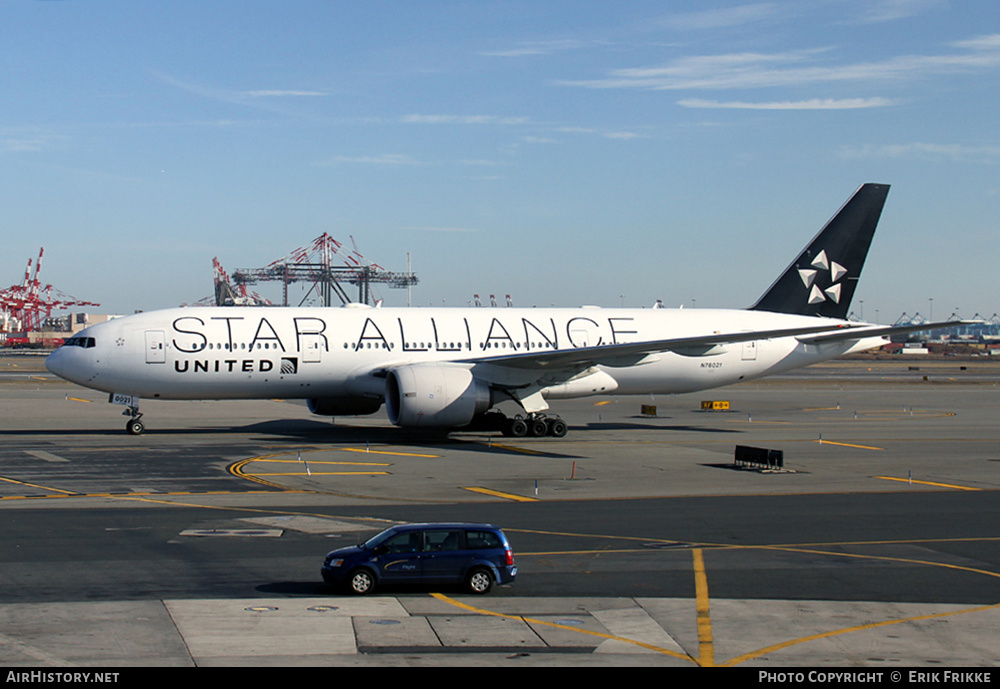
(512, 448)
(706, 646)
(35, 485)
(872, 625)
(316, 462)
(531, 621)
(317, 473)
(388, 452)
(847, 630)
(860, 447)
(927, 483)
(498, 494)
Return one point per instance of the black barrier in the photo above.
(759, 457)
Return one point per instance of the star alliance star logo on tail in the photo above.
(823, 271)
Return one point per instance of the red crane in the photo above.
(29, 304)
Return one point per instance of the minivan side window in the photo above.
(478, 540)
(441, 540)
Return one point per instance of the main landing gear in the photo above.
(533, 426)
(530, 426)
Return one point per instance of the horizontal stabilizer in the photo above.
(861, 332)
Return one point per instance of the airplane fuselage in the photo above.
(253, 352)
(445, 368)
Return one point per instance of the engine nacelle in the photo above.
(434, 396)
(343, 406)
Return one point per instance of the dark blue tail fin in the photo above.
(821, 281)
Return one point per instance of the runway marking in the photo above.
(309, 472)
(927, 483)
(140, 494)
(706, 646)
(237, 469)
(872, 625)
(388, 452)
(531, 621)
(46, 456)
(513, 448)
(860, 447)
(34, 485)
(320, 461)
(847, 630)
(705, 639)
(498, 494)
(77, 399)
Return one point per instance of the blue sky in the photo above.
(564, 153)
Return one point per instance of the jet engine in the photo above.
(434, 396)
(343, 406)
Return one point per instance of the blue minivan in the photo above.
(477, 556)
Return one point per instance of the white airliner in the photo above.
(445, 368)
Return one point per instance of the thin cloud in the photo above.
(542, 48)
(386, 159)
(464, 119)
(278, 93)
(607, 134)
(720, 18)
(30, 140)
(893, 10)
(623, 136)
(963, 153)
(794, 68)
(442, 229)
(811, 104)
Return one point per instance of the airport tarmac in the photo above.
(638, 540)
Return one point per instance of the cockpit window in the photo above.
(85, 342)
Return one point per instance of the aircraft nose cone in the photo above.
(56, 363)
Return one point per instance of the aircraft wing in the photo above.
(630, 353)
(862, 331)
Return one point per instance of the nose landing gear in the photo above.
(131, 403)
(134, 426)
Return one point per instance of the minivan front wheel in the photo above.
(479, 581)
(362, 581)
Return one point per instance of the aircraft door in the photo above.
(312, 348)
(750, 350)
(156, 350)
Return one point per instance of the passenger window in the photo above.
(441, 540)
(481, 540)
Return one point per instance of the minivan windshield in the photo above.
(375, 540)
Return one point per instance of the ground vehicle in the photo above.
(475, 555)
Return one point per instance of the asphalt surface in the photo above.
(638, 541)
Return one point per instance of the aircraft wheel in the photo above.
(517, 428)
(557, 428)
(537, 428)
(134, 427)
